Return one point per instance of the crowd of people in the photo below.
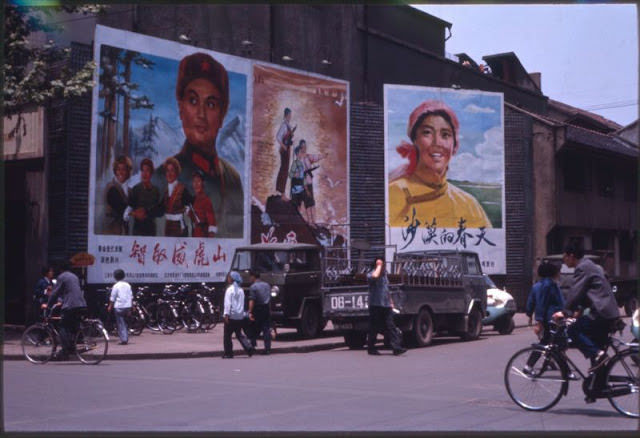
(590, 301)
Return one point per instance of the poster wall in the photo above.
(189, 159)
(444, 155)
(169, 173)
(299, 157)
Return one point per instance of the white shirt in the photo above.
(171, 187)
(121, 295)
(234, 302)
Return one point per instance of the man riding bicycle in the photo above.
(73, 307)
(590, 290)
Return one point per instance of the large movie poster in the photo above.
(169, 172)
(444, 155)
(300, 157)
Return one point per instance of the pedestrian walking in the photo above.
(234, 316)
(380, 310)
(259, 312)
(120, 303)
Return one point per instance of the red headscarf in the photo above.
(408, 150)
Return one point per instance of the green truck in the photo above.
(435, 292)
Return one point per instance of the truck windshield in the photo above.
(263, 261)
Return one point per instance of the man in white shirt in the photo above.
(234, 316)
(120, 302)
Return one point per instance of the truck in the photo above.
(294, 272)
(434, 291)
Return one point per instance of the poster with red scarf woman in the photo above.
(445, 171)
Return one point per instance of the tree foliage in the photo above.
(35, 74)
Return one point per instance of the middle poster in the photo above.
(299, 150)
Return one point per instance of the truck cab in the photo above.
(293, 272)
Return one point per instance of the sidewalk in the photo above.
(182, 344)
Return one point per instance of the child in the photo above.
(544, 300)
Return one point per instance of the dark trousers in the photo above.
(283, 173)
(589, 335)
(381, 320)
(262, 323)
(69, 326)
(235, 326)
(544, 340)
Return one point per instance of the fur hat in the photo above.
(203, 66)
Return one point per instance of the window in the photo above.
(631, 186)
(472, 265)
(600, 240)
(626, 248)
(606, 181)
(576, 174)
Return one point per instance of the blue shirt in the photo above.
(545, 299)
(378, 290)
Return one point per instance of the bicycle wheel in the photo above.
(150, 317)
(191, 316)
(623, 381)
(538, 389)
(92, 343)
(166, 319)
(135, 323)
(38, 344)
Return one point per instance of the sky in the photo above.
(587, 53)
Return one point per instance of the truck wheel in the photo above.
(474, 325)
(354, 339)
(423, 328)
(630, 305)
(310, 324)
(505, 326)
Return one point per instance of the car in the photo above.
(501, 307)
(635, 324)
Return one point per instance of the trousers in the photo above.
(381, 320)
(234, 326)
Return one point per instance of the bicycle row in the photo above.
(173, 308)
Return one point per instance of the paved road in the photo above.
(449, 386)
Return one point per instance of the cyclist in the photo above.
(73, 307)
(590, 290)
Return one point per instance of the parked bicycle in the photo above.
(540, 386)
(41, 340)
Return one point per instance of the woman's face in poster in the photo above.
(201, 113)
(435, 141)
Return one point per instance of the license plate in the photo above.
(342, 302)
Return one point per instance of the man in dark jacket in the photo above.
(590, 290)
(73, 307)
(380, 310)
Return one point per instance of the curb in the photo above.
(201, 354)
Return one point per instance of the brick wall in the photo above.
(69, 152)
(519, 204)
